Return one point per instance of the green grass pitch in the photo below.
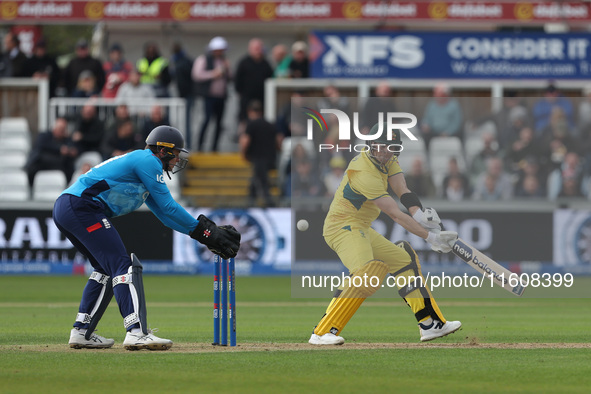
(505, 345)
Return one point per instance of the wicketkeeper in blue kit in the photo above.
(117, 187)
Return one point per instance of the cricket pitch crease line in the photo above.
(286, 347)
(264, 304)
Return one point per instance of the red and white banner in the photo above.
(523, 12)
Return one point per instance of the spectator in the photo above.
(153, 69)
(12, 61)
(135, 94)
(381, 102)
(286, 183)
(584, 142)
(180, 70)
(455, 189)
(509, 121)
(292, 123)
(453, 172)
(298, 153)
(124, 140)
(558, 120)
(570, 188)
(85, 162)
(299, 67)
(529, 179)
(334, 176)
(332, 99)
(259, 145)
(251, 73)
(419, 180)
(281, 61)
(86, 86)
(443, 115)
(505, 123)
(305, 180)
(490, 149)
(42, 66)
(530, 187)
(121, 116)
(81, 62)
(521, 148)
(89, 130)
(567, 179)
(212, 74)
(495, 183)
(157, 118)
(53, 150)
(556, 141)
(117, 71)
(584, 112)
(543, 109)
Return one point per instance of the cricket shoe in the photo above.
(148, 341)
(438, 329)
(78, 341)
(326, 339)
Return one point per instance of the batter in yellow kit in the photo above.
(362, 194)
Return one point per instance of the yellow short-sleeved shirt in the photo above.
(362, 183)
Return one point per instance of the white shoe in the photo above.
(148, 341)
(326, 339)
(77, 340)
(438, 329)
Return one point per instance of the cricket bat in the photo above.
(492, 270)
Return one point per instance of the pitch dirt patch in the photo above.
(258, 304)
(280, 347)
(270, 347)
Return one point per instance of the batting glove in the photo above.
(443, 241)
(428, 219)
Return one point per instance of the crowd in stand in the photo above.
(540, 150)
(529, 149)
(207, 77)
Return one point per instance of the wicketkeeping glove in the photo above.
(221, 240)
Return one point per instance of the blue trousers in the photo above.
(83, 221)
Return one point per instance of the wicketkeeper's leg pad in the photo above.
(102, 302)
(416, 293)
(134, 279)
(344, 305)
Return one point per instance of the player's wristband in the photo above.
(411, 200)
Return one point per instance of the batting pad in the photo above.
(416, 294)
(366, 280)
(336, 295)
(342, 308)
